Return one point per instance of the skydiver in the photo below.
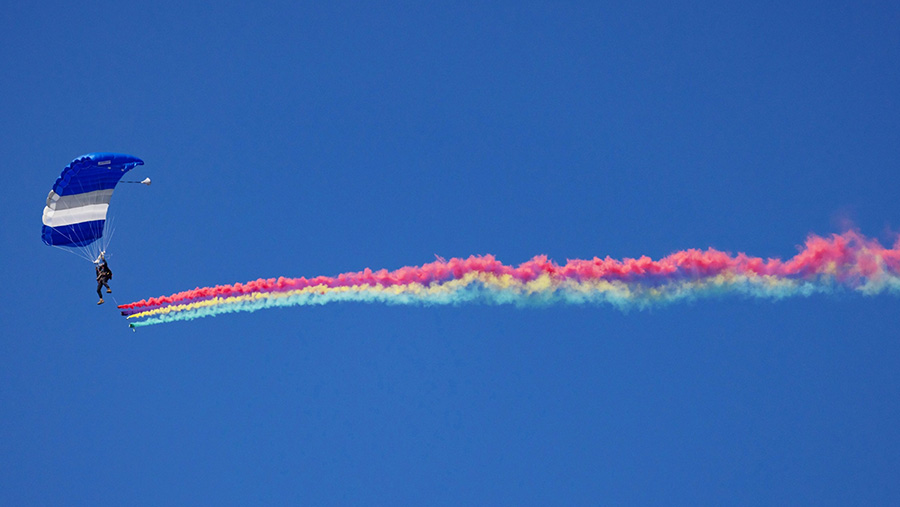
(104, 274)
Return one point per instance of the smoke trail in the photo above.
(847, 261)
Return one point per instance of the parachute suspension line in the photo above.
(110, 230)
(91, 250)
(88, 248)
(98, 230)
(84, 251)
(80, 252)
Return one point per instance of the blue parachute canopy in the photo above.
(75, 214)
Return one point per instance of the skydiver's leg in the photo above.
(99, 286)
(108, 290)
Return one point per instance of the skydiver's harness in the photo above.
(104, 274)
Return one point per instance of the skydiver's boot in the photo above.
(101, 301)
(108, 290)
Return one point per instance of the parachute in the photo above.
(75, 217)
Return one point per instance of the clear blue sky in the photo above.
(299, 140)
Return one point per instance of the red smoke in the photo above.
(849, 257)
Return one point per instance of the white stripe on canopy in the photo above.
(59, 218)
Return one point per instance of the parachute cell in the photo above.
(75, 214)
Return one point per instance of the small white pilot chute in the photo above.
(145, 181)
